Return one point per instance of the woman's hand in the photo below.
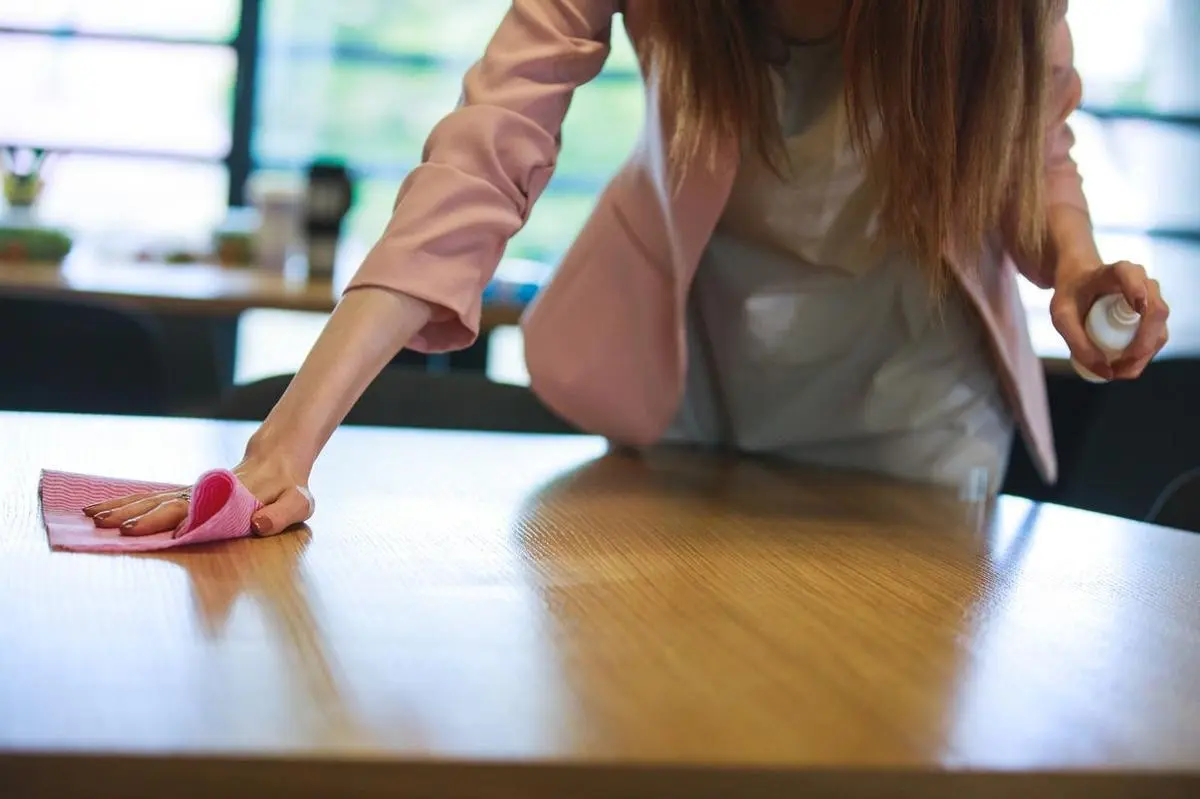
(367, 329)
(278, 484)
(1077, 289)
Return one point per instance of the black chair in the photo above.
(402, 397)
(79, 357)
(1145, 434)
(1179, 504)
(1120, 444)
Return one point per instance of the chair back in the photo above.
(1179, 505)
(79, 357)
(404, 397)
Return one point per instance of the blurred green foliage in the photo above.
(366, 81)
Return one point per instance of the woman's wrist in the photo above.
(366, 330)
(1070, 269)
(1073, 243)
(288, 448)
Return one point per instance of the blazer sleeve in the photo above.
(1064, 186)
(486, 163)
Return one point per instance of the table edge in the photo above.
(65, 775)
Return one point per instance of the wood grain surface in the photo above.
(473, 615)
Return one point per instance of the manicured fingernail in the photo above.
(261, 525)
(104, 514)
(129, 525)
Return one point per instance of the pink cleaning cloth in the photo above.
(220, 509)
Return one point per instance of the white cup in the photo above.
(280, 208)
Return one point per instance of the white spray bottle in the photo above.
(1112, 325)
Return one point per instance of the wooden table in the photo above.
(483, 615)
(194, 289)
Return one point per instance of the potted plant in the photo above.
(22, 238)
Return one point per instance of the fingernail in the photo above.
(1141, 305)
(129, 525)
(261, 525)
(104, 514)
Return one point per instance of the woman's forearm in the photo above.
(367, 329)
(1072, 241)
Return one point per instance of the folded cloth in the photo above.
(220, 509)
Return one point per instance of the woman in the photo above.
(813, 251)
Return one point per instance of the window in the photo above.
(135, 99)
(206, 20)
(1138, 58)
(162, 110)
(1138, 137)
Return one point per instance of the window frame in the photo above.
(244, 44)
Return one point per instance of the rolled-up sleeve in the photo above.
(486, 163)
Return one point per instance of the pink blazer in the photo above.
(604, 341)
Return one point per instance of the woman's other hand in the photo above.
(1076, 290)
(278, 485)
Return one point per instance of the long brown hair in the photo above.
(946, 101)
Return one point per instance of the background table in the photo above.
(485, 615)
(213, 293)
(209, 290)
(197, 308)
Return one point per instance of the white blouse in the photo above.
(810, 339)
